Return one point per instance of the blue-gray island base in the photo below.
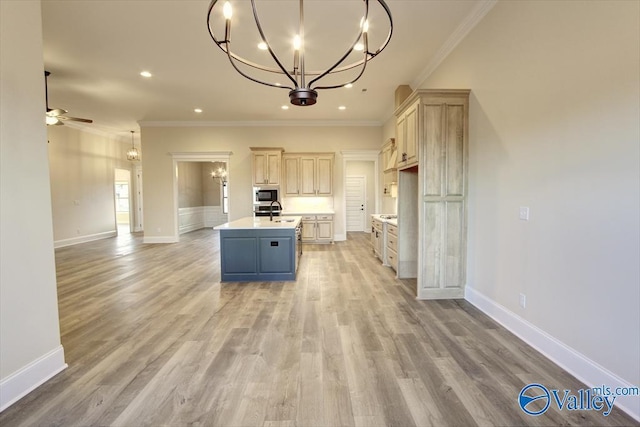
(256, 249)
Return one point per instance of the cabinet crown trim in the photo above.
(419, 93)
(266, 149)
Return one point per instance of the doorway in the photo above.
(362, 163)
(356, 196)
(192, 217)
(122, 202)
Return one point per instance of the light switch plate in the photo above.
(524, 213)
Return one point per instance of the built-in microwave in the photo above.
(264, 194)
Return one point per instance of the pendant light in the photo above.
(133, 153)
(301, 83)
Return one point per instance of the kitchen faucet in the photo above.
(271, 209)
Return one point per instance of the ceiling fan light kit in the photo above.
(301, 83)
(56, 116)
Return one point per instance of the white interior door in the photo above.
(356, 191)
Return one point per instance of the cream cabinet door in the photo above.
(411, 135)
(324, 179)
(266, 167)
(401, 141)
(260, 172)
(324, 230)
(308, 231)
(273, 168)
(308, 176)
(291, 181)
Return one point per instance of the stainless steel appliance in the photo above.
(266, 194)
(264, 210)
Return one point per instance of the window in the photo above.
(122, 196)
(225, 198)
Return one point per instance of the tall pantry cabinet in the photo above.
(432, 194)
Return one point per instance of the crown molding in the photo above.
(472, 19)
(296, 123)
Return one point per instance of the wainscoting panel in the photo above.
(197, 217)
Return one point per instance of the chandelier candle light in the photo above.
(301, 83)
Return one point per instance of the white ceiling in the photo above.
(95, 50)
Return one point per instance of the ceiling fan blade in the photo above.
(75, 119)
(55, 112)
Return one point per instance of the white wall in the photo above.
(159, 142)
(30, 349)
(82, 166)
(554, 125)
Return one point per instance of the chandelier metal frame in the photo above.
(304, 84)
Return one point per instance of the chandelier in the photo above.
(133, 154)
(302, 83)
(220, 175)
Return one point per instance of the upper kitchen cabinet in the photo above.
(266, 165)
(407, 135)
(291, 175)
(389, 162)
(308, 174)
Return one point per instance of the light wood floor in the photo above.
(153, 338)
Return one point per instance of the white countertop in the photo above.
(309, 212)
(393, 221)
(251, 223)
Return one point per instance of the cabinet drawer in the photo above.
(324, 217)
(392, 242)
(392, 258)
(377, 225)
(393, 229)
(308, 217)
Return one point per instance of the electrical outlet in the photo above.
(523, 301)
(524, 213)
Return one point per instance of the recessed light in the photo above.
(262, 46)
(277, 84)
(146, 74)
(197, 110)
(285, 107)
(342, 107)
(348, 85)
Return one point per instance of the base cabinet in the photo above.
(377, 239)
(392, 246)
(257, 255)
(317, 228)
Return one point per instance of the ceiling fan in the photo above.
(56, 116)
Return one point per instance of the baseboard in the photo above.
(578, 365)
(160, 239)
(445, 293)
(36, 373)
(83, 239)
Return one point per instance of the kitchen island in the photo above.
(258, 249)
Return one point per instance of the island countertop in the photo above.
(262, 222)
